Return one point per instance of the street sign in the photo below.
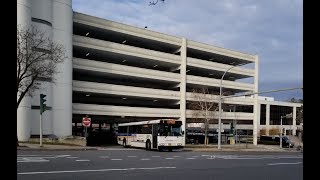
(86, 121)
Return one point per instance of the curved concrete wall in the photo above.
(24, 110)
(62, 89)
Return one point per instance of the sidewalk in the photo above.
(188, 147)
(239, 147)
(31, 146)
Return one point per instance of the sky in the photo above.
(272, 29)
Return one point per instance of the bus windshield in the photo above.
(170, 130)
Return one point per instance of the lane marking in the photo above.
(145, 159)
(195, 156)
(116, 159)
(176, 156)
(169, 158)
(191, 158)
(104, 156)
(34, 161)
(132, 156)
(82, 160)
(39, 155)
(118, 149)
(93, 170)
(274, 164)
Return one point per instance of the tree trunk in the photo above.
(206, 133)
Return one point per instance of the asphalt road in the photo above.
(137, 164)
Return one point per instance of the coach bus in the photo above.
(154, 134)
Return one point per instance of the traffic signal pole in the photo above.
(40, 130)
(42, 109)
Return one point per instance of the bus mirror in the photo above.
(182, 132)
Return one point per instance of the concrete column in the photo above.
(42, 21)
(256, 110)
(294, 120)
(24, 109)
(267, 119)
(183, 68)
(62, 15)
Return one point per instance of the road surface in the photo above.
(138, 164)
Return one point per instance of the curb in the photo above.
(238, 150)
(26, 148)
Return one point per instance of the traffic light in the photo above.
(42, 104)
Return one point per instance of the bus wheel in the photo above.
(124, 144)
(170, 149)
(148, 145)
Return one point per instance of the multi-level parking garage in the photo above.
(123, 73)
(119, 73)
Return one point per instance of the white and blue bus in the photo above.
(154, 134)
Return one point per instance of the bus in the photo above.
(158, 134)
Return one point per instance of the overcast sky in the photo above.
(270, 28)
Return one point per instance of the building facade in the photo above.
(120, 73)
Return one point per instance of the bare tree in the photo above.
(37, 58)
(299, 117)
(203, 106)
(154, 2)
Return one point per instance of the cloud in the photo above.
(272, 29)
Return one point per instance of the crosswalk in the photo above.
(37, 158)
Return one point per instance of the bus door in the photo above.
(154, 135)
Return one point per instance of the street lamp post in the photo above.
(286, 116)
(281, 131)
(220, 101)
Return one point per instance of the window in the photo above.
(146, 129)
(277, 111)
(263, 114)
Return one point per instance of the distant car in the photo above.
(286, 143)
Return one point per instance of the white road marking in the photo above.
(31, 159)
(155, 156)
(94, 170)
(37, 158)
(104, 156)
(195, 156)
(169, 158)
(40, 155)
(83, 160)
(176, 156)
(274, 164)
(118, 149)
(191, 158)
(145, 159)
(132, 156)
(43, 160)
(116, 159)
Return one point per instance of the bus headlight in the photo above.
(179, 144)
